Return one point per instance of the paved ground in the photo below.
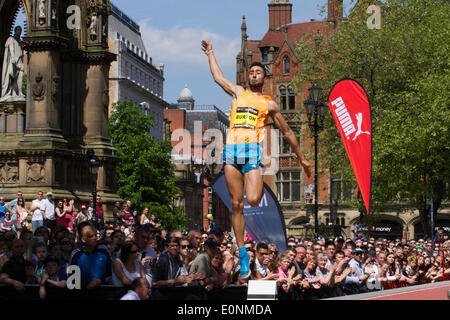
(434, 291)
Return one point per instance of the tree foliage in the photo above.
(146, 173)
(404, 68)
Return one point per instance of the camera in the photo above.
(184, 233)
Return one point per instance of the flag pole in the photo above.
(432, 226)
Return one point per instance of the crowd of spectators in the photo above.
(134, 252)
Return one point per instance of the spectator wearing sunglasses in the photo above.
(128, 267)
(292, 244)
(170, 269)
(223, 246)
(355, 282)
(184, 252)
(273, 255)
(262, 262)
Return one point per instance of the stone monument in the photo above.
(46, 130)
(12, 69)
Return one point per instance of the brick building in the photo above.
(276, 50)
(192, 169)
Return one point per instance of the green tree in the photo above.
(146, 173)
(404, 68)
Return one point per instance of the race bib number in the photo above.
(246, 118)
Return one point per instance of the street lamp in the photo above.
(210, 173)
(94, 164)
(315, 110)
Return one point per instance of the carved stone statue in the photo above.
(12, 72)
(42, 9)
(93, 26)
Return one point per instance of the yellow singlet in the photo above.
(248, 118)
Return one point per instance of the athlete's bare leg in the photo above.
(254, 189)
(254, 186)
(235, 183)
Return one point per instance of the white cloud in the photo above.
(183, 45)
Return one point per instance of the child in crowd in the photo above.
(55, 276)
(41, 252)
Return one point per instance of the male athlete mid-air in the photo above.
(243, 151)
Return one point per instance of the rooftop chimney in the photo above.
(280, 13)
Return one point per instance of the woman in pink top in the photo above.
(22, 215)
(284, 273)
(69, 210)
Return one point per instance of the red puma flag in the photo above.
(351, 111)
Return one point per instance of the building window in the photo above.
(288, 186)
(341, 189)
(291, 99)
(283, 99)
(118, 36)
(287, 65)
(285, 148)
(265, 54)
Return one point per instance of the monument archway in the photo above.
(65, 110)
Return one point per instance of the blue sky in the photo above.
(173, 29)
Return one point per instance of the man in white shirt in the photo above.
(140, 290)
(262, 261)
(38, 216)
(48, 207)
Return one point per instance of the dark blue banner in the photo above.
(263, 223)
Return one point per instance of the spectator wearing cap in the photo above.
(202, 264)
(82, 215)
(359, 235)
(355, 281)
(139, 290)
(53, 277)
(217, 233)
(48, 206)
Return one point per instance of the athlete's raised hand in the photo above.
(306, 167)
(217, 74)
(206, 47)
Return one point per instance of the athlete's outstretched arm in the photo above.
(216, 72)
(278, 119)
